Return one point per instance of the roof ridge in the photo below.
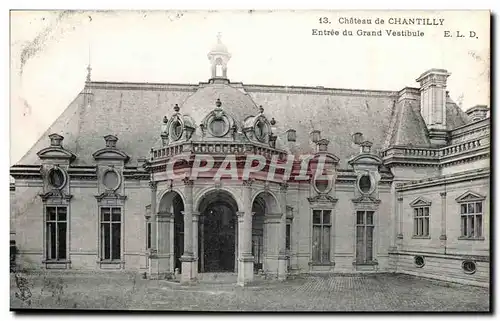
(125, 84)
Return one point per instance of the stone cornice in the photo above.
(84, 173)
(26, 172)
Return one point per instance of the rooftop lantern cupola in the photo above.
(219, 57)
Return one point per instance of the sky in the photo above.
(50, 51)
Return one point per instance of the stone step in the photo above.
(229, 277)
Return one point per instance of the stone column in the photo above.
(443, 237)
(153, 266)
(236, 247)
(400, 217)
(171, 244)
(246, 259)
(196, 217)
(282, 256)
(187, 258)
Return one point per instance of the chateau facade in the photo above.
(409, 191)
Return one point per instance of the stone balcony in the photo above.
(215, 148)
(436, 156)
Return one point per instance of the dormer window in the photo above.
(219, 127)
(365, 184)
(260, 130)
(176, 130)
(57, 178)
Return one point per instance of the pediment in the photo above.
(366, 159)
(420, 201)
(110, 154)
(470, 196)
(366, 199)
(55, 195)
(56, 153)
(322, 198)
(110, 195)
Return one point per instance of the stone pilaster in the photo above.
(163, 222)
(272, 223)
(187, 258)
(400, 218)
(153, 266)
(443, 237)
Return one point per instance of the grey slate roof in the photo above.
(133, 112)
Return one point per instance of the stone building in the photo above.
(409, 191)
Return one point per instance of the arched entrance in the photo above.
(170, 212)
(217, 233)
(265, 230)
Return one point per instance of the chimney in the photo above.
(366, 147)
(315, 136)
(110, 141)
(56, 140)
(478, 112)
(433, 103)
(357, 138)
(322, 145)
(291, 135)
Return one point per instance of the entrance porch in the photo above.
(218, 233)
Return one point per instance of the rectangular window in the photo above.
(110, 233)
(364, 236)
(421, 221)
(321, 236)
(471, 217)
(56, 229)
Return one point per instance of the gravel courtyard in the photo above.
(379, 292)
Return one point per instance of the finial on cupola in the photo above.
(273, 121)
(176, 108)
(218, 103)
(261, 109)
(89, 73)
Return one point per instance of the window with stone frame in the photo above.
(421, 221)
(56, 222)
(471, 218)
(111, 220)
(364, 236)
(321, 236)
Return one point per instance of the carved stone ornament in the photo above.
(187, 181)
(55, 194)
(322, 198)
